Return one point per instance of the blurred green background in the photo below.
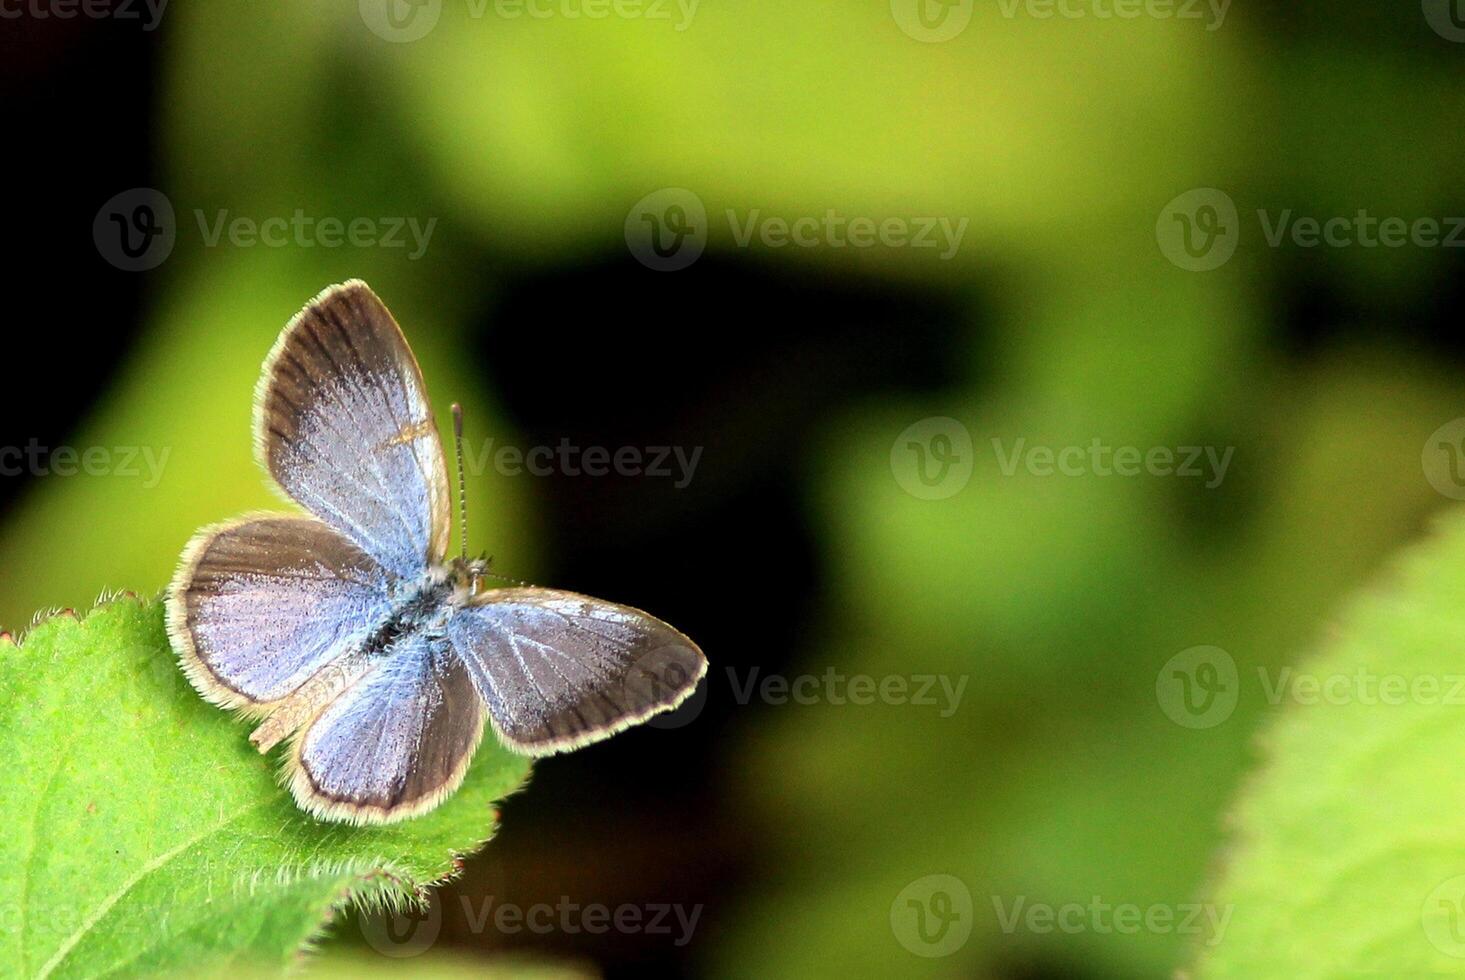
(538, 147)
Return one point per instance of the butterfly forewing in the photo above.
(260, 605)
(559, 670)
(343, 424)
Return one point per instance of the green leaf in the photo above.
(357, 965)
(1350, 849)
(144, 834)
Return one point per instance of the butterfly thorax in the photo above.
(426, 604)
(420, 606)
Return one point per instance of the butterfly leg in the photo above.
(309, 700)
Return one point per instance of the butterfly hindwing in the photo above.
(343, 424)
(261, 604)
(559, 670)
(394, 743)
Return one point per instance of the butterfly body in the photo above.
(425, 605)
(350, 632)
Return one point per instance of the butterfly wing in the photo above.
(260, 605)
(343, 424)
(558, 670)
(394, 743)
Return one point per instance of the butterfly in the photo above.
(349, 632)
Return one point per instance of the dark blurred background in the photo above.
(542, 150)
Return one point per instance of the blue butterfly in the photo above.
(352, 634)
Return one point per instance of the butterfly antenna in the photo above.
(507, 578)
(488, 563)
(462, 483)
